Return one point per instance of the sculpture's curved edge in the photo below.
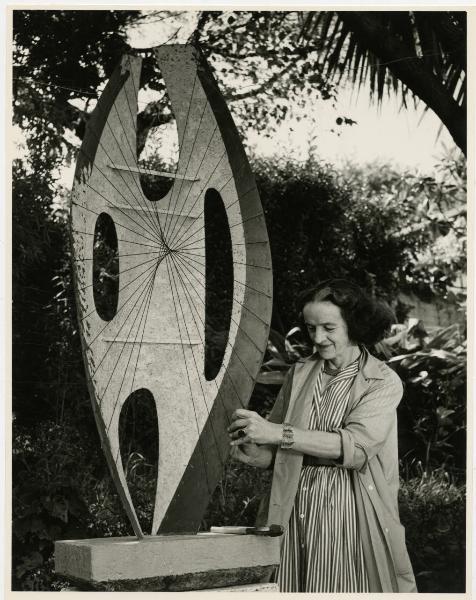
(184, 516)
(98, 118)
(84, 164)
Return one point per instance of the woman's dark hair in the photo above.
(368, 320)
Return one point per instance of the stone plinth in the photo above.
(167, 563)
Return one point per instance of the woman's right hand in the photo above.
(253, 454)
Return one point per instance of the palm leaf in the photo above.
(435, 38)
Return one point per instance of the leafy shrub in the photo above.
(432, 414)
(433, 511)
(429, 216)
(47, 498)
(300, 202)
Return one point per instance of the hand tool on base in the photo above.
(271, 530)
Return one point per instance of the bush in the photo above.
(429, 217)
(432, 414)
(47, 498)
(433, 511)
(319, 228)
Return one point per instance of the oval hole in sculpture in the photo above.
(105, 267)
(157, 137)
(219, 282)
(139, 444)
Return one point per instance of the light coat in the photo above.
(369, 450)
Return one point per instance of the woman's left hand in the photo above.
(249, 427)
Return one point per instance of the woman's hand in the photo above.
(252, 454)
(248, 427)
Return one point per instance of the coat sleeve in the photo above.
(368, 425)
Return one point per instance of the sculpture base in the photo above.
(167, 563)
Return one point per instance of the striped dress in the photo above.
(321, 549)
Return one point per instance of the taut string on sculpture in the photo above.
(158, 334)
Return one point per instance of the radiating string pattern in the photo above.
(169, 242)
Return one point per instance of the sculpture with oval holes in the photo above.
(154, 333)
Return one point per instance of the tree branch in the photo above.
(300, 52)
(153, 115)
(261, 88)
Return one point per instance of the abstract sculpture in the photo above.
(156, 337)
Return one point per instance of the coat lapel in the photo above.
(304, 379)
(363, 381)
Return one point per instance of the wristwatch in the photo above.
(287, 440)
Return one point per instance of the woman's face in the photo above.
(328, 330)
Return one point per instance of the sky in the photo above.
(382, 134)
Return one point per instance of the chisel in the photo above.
(271, 531)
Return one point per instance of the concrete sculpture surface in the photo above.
(155, 336)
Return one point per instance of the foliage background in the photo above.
(389, 230)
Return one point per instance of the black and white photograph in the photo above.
(239, 288)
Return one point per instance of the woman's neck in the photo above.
(340, 362)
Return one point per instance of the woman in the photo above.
(332, 435)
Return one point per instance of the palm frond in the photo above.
(435, 39)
